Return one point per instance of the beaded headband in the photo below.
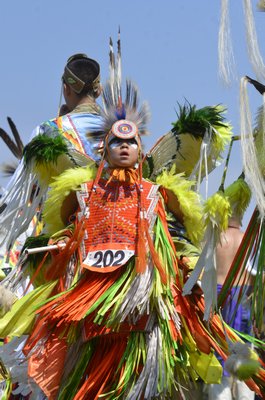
(72, 80)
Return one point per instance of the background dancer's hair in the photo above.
(82, 74)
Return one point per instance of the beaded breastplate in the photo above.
(112, 219)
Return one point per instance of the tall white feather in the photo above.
(225, 48)
(252, 42)
(251, 168)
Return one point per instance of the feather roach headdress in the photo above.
(115, 106)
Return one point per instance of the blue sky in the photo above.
(169, 49)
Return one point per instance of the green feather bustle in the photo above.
(34, 260)
(196, 121)
(44, 149)
(35, 241)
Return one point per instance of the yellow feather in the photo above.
(217, 211)
(223, 137)
(189, 202)
(239, 195)
(68, 181)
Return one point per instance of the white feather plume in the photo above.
(225, 49)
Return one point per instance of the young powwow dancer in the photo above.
(118, 325)
(111, 319)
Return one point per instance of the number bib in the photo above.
(116, 256)
(111, 221)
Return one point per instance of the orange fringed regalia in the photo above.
(123, 333)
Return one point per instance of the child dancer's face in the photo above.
(123, 153)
